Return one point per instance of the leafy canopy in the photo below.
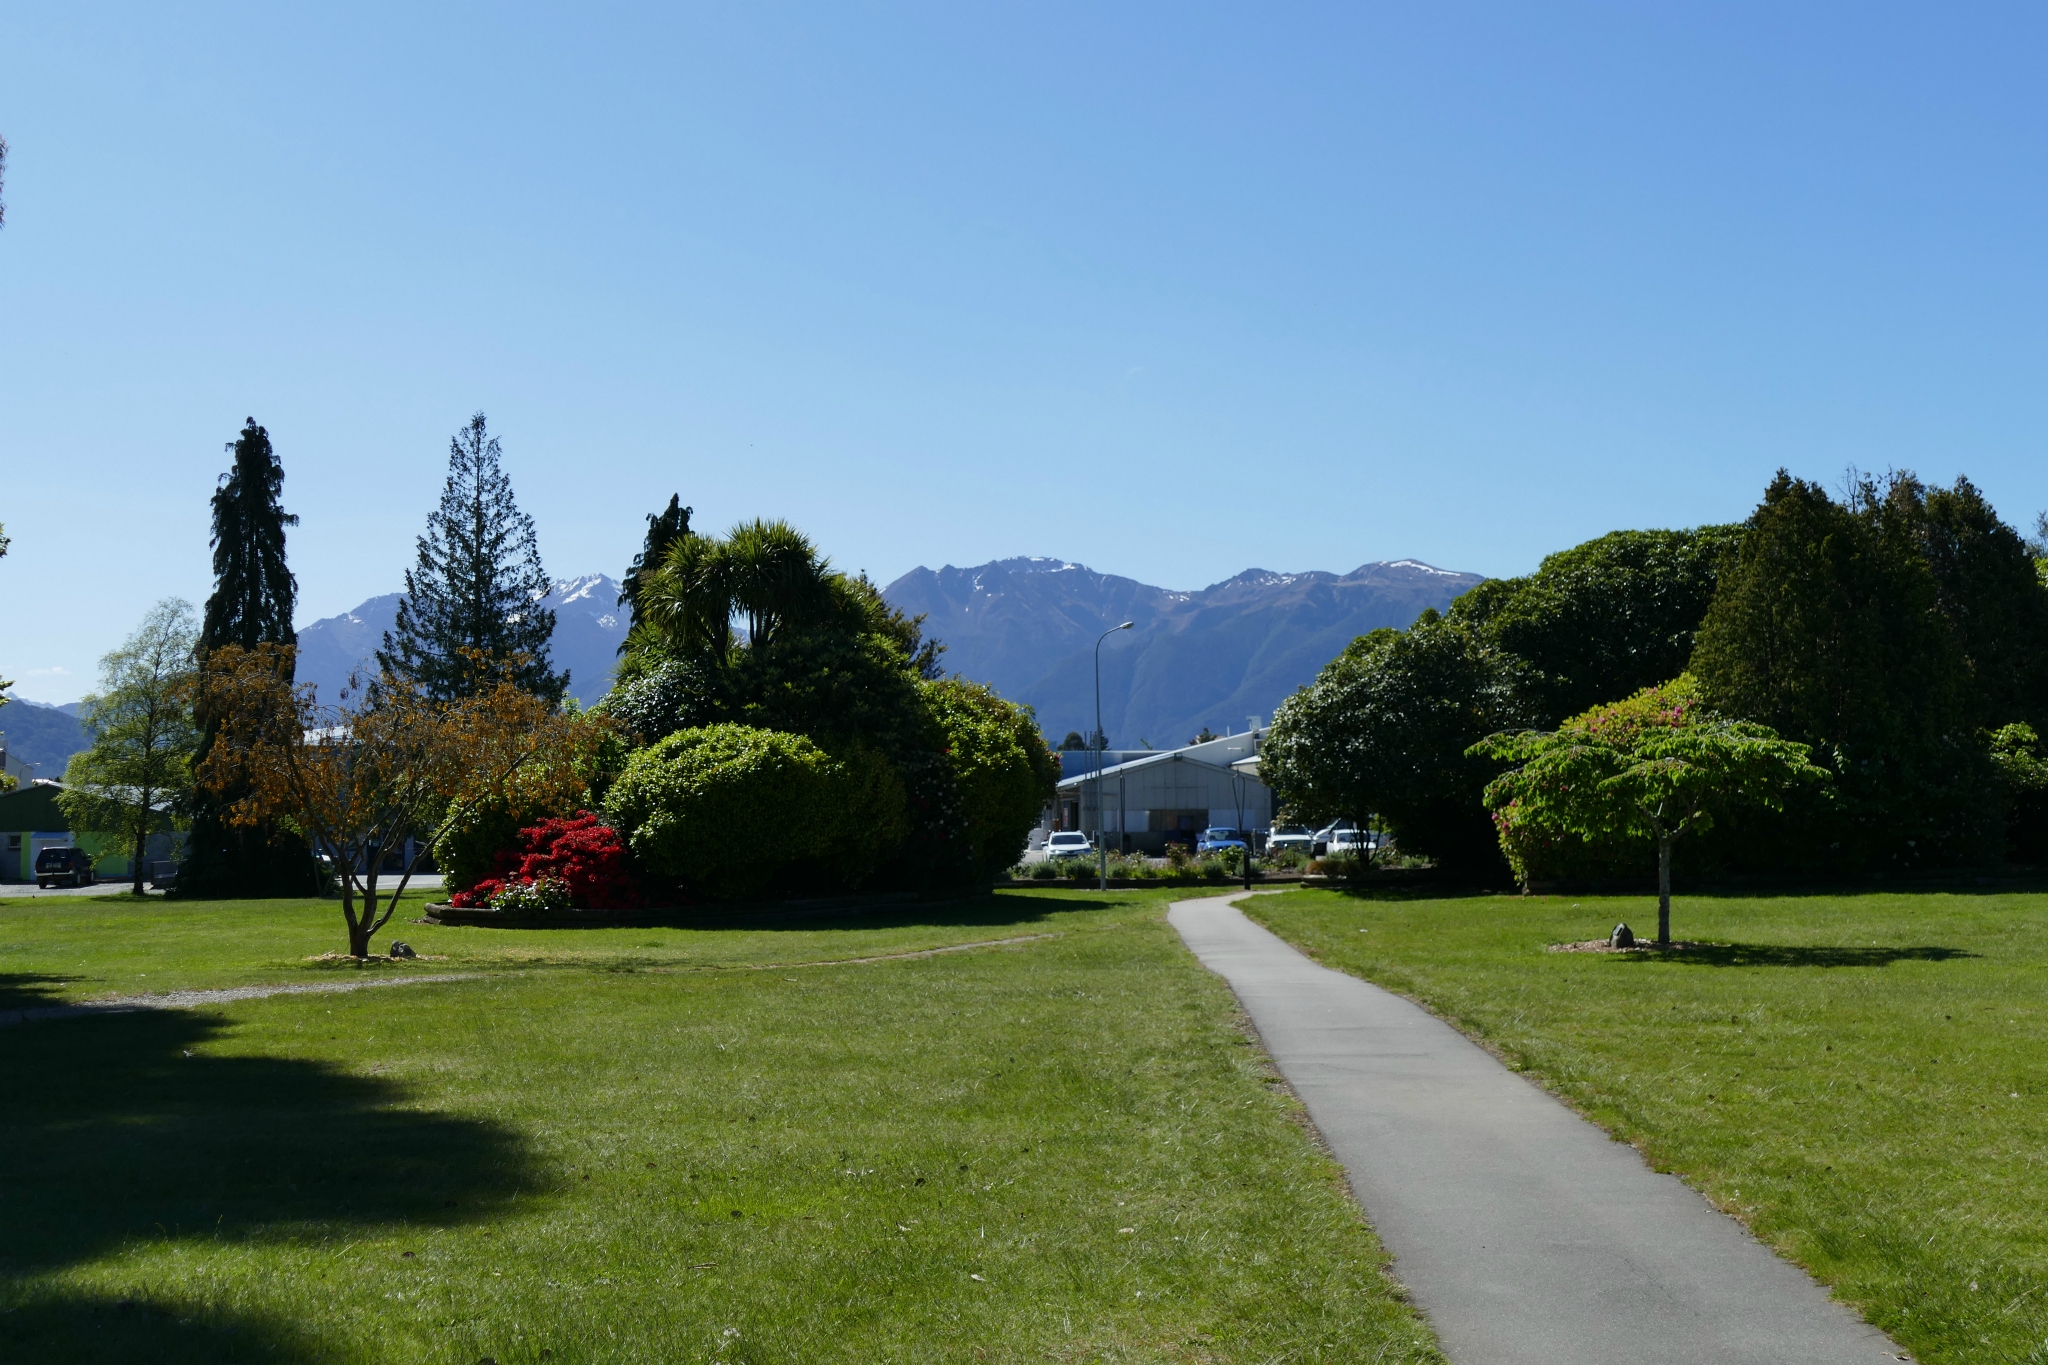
(1648, 769)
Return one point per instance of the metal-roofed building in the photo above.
(1172, 795)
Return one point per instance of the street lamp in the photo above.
(1101, 845)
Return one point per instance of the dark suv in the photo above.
(64, 867)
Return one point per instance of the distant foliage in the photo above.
(472, 601)
(1385, 731)
(2015, 755)
(584, 857)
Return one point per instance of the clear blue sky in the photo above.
(1173, 290)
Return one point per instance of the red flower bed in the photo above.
(587, 855)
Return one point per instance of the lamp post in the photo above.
(1101, 845)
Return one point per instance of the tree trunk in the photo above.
(135, 861)
(359, 938)
(1663, 889)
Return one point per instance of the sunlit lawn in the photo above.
(618, 1145)
(1863, 1079)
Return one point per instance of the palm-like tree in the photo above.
(766, 572)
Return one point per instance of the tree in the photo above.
(254, 593)
(391, 766)
(1001, 767)
(1655, 767)
(472, 602)
(130, 782)
(663, 530)
(7, 783)
(1602, 619)
(1387, 728)
(1827, 626)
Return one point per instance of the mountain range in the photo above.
(1212, 658)
(588, 631)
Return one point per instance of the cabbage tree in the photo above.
(1652, 768)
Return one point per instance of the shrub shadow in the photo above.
(70, 1328)
(117, 1128)
(1779, 955)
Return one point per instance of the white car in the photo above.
(1068, 844)
(1348, 843)
(1319, 845)
(1289, 836)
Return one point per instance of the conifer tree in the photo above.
(663, 530)
(253, 597)
(472, 602)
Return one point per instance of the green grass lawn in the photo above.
(1863, 1079)
(616, 1146)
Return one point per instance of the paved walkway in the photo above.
(1527, 1235)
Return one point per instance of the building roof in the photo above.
(1220, 756)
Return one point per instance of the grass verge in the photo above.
(1861, 1079)
(1062, 1150)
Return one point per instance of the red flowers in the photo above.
(587, 855)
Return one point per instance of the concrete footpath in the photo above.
(1527, 1235)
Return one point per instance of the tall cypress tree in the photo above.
(472, 602)
(253, 596)
(663, 530)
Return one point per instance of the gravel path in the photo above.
(188, 1000)
(1526, 1234)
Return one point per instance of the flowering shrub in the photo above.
(545, 896)
(586, 858)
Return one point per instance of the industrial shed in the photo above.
(1171, 795)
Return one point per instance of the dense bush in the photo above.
(586, 858)
(1001, 768)
(732, 811)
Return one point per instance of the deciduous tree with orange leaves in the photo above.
(381, 765)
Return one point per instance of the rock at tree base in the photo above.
(1622, 937)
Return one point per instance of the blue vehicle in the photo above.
(1217, 839)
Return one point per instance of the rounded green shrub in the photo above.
(731, 811)
(1000, 763)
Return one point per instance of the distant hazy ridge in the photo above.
(1212, 657)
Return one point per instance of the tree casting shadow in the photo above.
(118, 1129)
(1779, 955)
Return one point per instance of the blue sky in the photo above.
(1173, 290)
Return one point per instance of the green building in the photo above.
(31, 821)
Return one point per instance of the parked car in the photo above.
(1290, 836)
(1217, 839)
(1069, 843)
(1348, 843)
(1319, 844)
(64, 867)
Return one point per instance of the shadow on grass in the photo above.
(1778, 955)
(118, 1129)
(69, 1328)
(986, 911)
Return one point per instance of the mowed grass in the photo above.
(100, 947)
(1862, 1079)
(1060, 1150)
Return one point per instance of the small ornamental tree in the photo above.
(363, 777)
(1654, 767)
